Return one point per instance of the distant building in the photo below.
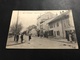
(42, 21)
(62, 24)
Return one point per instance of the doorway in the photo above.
(67, 35)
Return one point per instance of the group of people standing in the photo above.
(21, 37)
(16, 37)
(40, 33)
(71, 36)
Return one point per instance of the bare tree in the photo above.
(31, 27)
(16, 28)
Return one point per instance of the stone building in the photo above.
(58, 25)
(42, 21)
(62, 24)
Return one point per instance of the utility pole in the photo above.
(17, 22)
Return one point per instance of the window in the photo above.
(58, 33)
(51, 32)
(51, 26)
(54, 25)
(57, 24)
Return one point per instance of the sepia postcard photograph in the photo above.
(42, 29)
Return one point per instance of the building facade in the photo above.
(43, 19)
(42, 22)
(61, 25)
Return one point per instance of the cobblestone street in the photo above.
(41, 43)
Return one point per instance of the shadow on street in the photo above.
(15, 44)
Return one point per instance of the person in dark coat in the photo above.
(73, 37)
(41, 33)
(14, 37)
(38, 33)
(21, 38)
(29, 37)
(17, 38)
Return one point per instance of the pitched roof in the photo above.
(64, 15)
(46, 16)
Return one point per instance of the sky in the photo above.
(27, 18)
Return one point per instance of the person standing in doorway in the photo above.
(73, 37)
(70, 37)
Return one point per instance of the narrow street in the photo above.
(41, 43)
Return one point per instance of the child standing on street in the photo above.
(29, 37)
